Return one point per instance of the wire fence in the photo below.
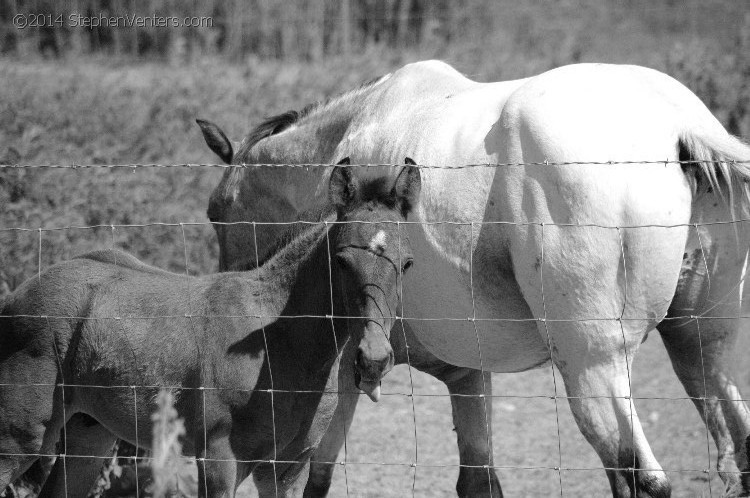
(543, 322)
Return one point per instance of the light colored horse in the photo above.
(572, 262)
(253, 356)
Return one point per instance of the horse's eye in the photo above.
(407, 265)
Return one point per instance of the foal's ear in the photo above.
(407, 187)
(216, 139)
(343, 186)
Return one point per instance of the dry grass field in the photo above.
(100, 111)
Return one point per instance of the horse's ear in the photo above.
(216, 139)
(407, 187)
(343, 186)
(345, 161)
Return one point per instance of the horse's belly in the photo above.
(490, 328)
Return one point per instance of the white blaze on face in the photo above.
(377, 244)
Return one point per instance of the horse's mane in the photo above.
(276, 124)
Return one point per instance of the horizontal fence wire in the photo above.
(417, 461)
(365, 165)
(420, 223)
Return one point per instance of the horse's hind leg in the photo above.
(594, 310)
(87, 446)
(701, 350)
(598, 389)
(700, 362)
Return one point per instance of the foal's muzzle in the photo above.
(374, 359)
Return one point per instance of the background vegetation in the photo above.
(121, 96)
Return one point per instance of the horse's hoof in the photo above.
(476, 482)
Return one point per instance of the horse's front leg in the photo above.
(472, 413)
(472, 418)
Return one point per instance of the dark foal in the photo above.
(253, 357)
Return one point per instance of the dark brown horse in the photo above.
(253, 357)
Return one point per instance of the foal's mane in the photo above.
(288, 244)
(276, 124)
(294, 231)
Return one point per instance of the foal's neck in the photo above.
(299, 297)
(296, 280)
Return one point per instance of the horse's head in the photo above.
(370, 254)
(268, 194)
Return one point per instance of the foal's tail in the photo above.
(720, 163)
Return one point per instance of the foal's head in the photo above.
(369, 255)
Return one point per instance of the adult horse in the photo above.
(253, 356)
(572, 252)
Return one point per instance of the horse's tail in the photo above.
(720, 163)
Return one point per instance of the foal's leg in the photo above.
(286, 481)
(30, 417)
(472, 413)
(88, 445)
(321, 466)
(217, 468)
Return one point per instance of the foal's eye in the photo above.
(407, 265)
(343, 262)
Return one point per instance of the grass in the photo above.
(98, 111)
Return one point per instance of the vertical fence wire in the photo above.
(400, 277)
(270, 378)
(634, 463)
(119, 319)
(559, 466)
(704, 402)
(331, 317)
(473, 320)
